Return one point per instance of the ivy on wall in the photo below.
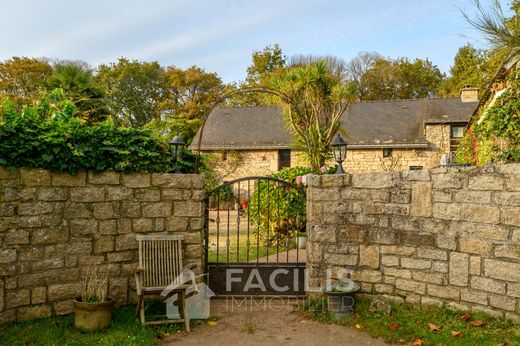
(497, 137)
(48, 135)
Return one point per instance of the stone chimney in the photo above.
(469, 94)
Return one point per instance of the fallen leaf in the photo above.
(394, 326)
(358, 326)
(355, 315)
(303, 321)
(455, 334)
(212, 323)
(417, 342)
(503, 344)
(434, 327)
(477, 323)
(465, 317)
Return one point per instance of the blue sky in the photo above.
(220, 35)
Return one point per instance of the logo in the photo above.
(198, 296)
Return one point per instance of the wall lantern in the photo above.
(176, 145)
(339, 148)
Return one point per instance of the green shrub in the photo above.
(48, 135)
(279, 210)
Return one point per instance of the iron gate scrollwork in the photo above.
(252, 235)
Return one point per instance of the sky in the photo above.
(221, 35)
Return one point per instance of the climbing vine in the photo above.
(496, 137)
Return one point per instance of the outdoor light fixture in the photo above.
(339, 148)
(176, 145)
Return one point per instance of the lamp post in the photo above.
(176, 145)
(339, 148)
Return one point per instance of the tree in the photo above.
(381, 80)
(417, 79)
(313, 100)
(21, 80)
(192, 93)
(335, 65)
(265, 65)
(469, 68)
(357, 68)
(135, 91)
(76, 80)
(400, 79)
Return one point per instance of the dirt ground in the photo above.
(270, 322)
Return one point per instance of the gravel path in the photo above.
(271, 323)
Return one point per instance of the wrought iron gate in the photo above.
(252, 234)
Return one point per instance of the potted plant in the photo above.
(340, 298)
(301, 239)
(93, 310)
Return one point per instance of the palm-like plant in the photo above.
(315, 100)
(76, 81)
(501, 32)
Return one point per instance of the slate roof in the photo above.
(369, 124)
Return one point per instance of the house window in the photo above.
(456, 134)
(284, 158)
(416, 168)
(387, 152)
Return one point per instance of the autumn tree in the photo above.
(135, 91)
(76, 81)
(191, 94)
(22, 79)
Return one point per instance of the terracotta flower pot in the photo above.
(93, 316)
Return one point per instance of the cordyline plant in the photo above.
(315, 100)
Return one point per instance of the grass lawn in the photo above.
(125, 329)
(410, 325)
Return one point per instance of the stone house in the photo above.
(382, 136)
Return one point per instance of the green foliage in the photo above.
(497, 136)
(191, 93)
(315, 100)
(76, 81)
(285, 205)
(135, 90)
(264, 64)
(469, 68)
(49, 136)
(388, 79)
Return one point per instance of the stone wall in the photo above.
(53, 225)
(440, 236)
